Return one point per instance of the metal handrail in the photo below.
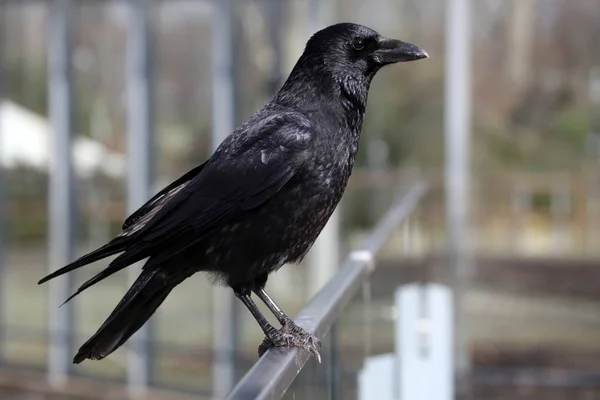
(275, 371)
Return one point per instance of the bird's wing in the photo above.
(162, 196)
(244, 172)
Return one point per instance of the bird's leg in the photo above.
(309, 342)
(267, 328)
(283, 319)
(274, 337)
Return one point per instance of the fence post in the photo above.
(139, 150)
(223, 116)
(457, 131)
(2, 181)
(424, 342)
(61, 189)
(323, 258)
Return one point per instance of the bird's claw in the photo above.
(291, 335)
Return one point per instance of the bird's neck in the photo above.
(354, 93)
(342, 97)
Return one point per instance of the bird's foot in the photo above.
(291, 335)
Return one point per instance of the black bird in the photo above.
(261, 199)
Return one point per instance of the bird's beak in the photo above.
(392, 51)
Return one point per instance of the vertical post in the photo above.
(274, 13)
(139, 150)
(98, 195)
(424, 342)
(376, 378)
(223, 115)
(323, 258)
(457, 136)
(2, 183)
(61, 189)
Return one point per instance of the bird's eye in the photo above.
(358, 44)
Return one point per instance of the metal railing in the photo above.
(275, 371)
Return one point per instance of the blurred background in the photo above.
(105, 102)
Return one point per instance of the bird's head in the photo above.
(344, 56)
(356, 50)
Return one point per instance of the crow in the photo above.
(260, 201)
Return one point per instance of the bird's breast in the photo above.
(332, 164)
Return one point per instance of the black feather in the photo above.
(115, 246)
(137, 306)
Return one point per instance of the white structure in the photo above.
(422, 366)
(25, 141)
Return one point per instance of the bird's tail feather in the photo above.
(124, 260)
(115, 246)
(137, 306)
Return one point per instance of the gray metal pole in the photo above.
(274, 15)
(223, 116)
(139, 150)
(457, 136)
(223, 90)
(61, 189)
(2, 183)
(274, 12)
(323, 258)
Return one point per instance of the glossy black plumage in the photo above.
(263, 197)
